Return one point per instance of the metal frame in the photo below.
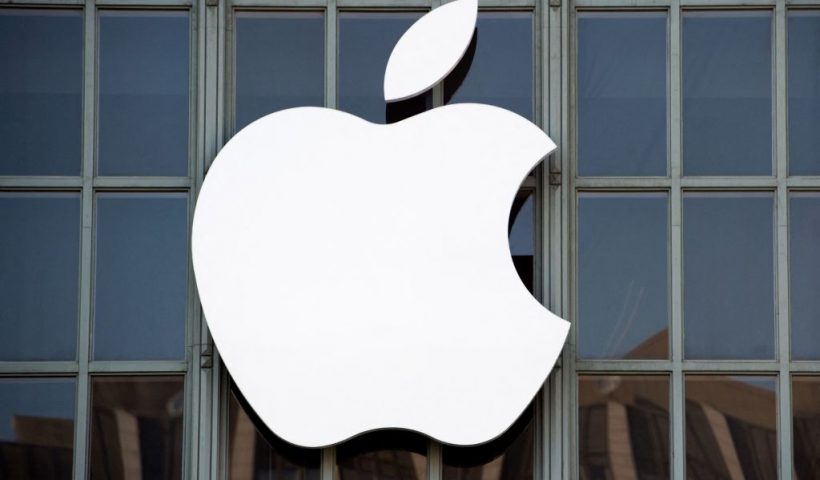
(555, 185)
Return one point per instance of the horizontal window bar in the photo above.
(26, 368)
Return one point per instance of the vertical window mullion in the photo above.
(784, 403)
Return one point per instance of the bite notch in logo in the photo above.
(358, 276)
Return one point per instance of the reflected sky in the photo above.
(804, 92)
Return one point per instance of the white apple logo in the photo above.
(358, 276)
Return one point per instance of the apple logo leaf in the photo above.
(429, 50)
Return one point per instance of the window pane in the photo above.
(731, 427)
(522, 236)
(365, 43)
(143, 85)
(623, 426)
(36, 428)
(804, 92)
(623, 278)
(508, 457)
(39, 275)
(136, 427)
(41, 54)
(280, 61)
(804, 273)
(728, 276)
(622, 113)
(141, 276)
(806, 426)
(254, 452)
(383, 455)
(727, 93)
(503, 43)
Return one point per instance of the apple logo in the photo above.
(357, 276)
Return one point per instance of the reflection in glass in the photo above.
(731, 427)
(279, 62)
(522, 236)
(383, 455)
(806, 426)
(36, 428)
(143, 88)
(136, 427)
(804, 92)
(622, 93)
(623, 426)
(39, 275)
(728, 284)
(508, 457)
(141, 282)
(255, 453)
(501, 72)
(41, 53)
(804, 274)
(623, 278)
(365, 42)
(727, 93)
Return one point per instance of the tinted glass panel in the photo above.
(522, 236)
(41, 59)
(804, 92)
(141, 276)
(622, 93)
(279, 62)
(623, 275)
(383, 455)
(806, 426)
(731, 427)
(254, 452)
(365, 43)
(143, 85)
(39, 275)
(728, 276)
(503, 43)
(727, 93)
(804, 271)
(508, 457)
(623, 426)
(136, 428)
(36, 428)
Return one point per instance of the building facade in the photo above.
(676, 227)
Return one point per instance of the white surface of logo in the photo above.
(358, 276)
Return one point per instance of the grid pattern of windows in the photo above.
(689, 240)
(675, 227)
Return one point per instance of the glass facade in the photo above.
(675, 227)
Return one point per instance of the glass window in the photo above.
(136, 427)
(804, 274)
(731, 427)
(728, 256)
(623, 429)
(36, 428)
(41, 58)
(623, 278)
(503, 43)
(365, 42)
(804, 92)
(254, 452)
(39, 275)
(522, 236)
(727, 93)
(141, 276)
(508, 457)
(143, 87)
(622, 106)
(383, 455)
(806, 426)
(280, 58)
